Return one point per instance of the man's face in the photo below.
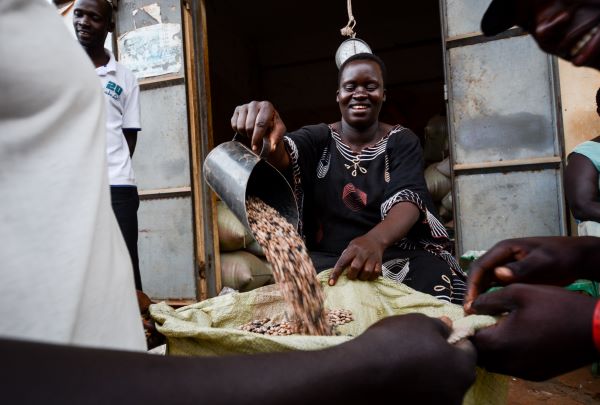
(569, 29)
(92, 22)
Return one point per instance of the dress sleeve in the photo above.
(305, 148)
(407, 182)
(131, 107)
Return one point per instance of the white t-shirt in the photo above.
(122, 98)
(65, 273)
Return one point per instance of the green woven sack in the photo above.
(210, 327)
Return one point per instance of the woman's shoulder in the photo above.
(317, 131)
(400, 135)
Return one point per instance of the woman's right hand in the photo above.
(260, 121)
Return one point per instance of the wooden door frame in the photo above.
(206, 243)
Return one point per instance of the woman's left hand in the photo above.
(362, 258)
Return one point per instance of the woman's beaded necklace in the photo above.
(355, 158)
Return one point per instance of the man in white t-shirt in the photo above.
(93, 20)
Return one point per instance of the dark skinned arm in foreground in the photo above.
(581, 188)
(364, 255)
(546, 331)
(409, 350)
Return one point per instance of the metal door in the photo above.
(505, 131)
(149, 40)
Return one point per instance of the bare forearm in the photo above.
(396, 225)
(131, 138)
(69, 375)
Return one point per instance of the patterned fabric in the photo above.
(344, 194)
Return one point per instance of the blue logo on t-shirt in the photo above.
(113, 90)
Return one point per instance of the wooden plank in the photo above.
(200, 129)
(161, 81)
(508, 163)
(152, 194)
(478, 38)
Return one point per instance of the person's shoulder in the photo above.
(588, 149)
(125, 73)
(315, 130)
(123, 69)
(399, 134)
(592, 145)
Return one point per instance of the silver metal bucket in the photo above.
(235, 173)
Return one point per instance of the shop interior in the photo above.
(284, 52)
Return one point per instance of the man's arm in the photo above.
(131, 138)
(581, 188)
(409, 350)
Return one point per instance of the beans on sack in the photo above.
(266, 326)
(337, 317)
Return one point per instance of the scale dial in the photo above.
(350, 47)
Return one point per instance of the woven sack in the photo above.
(243, 271)
(211, 327)
(233, 235)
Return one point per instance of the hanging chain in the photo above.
(348, 29)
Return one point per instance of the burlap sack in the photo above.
(437, 184)
(233, 235)
(211, 327)
(243, 271)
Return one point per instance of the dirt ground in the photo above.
(579, 387)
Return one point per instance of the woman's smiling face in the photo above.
(361, 93)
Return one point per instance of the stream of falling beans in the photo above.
(292, 267)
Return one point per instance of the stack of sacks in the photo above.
(243, 265)
(439, 184)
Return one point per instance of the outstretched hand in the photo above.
(542, 260)
(413, 349)
(261, 122)
(362, 259)
(546, 331)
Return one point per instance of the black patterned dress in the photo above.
(343, 195)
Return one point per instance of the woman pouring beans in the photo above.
(365, 208)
